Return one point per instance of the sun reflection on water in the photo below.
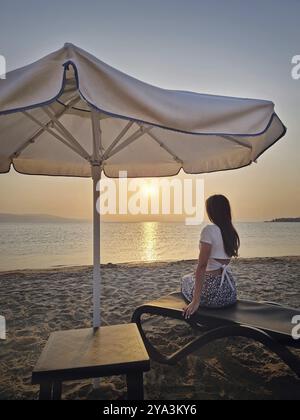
(150, 241)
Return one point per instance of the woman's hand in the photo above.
(190, 309)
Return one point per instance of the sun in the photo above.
(149, 190)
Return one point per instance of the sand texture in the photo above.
(36, 303)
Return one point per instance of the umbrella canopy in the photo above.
(70, 114)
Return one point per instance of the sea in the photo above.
(48, 245)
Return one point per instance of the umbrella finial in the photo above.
(68, 45)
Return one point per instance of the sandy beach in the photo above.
(36, 303)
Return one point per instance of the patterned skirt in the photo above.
(214, 293)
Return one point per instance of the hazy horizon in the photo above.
(119, 219)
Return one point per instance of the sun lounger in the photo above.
(265, 322)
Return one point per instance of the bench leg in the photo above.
(57, 390)
(45, 391)
(135, 386)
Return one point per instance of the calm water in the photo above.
(48, 245)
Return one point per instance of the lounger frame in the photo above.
(213, 330)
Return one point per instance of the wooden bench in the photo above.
(87, 353)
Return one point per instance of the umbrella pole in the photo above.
(96, 173)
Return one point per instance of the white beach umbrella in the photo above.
(70, 114)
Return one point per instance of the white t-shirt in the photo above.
(212, 235)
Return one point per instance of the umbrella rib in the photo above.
(97, 136)
(27, 143)
(135, 136)
(39, 132)
(117, 140)
(234, 140)
(166, 148)
(65, 132)
(54, 134)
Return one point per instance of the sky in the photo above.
(230, 47)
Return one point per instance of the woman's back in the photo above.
(212, 235)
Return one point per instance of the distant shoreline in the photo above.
(36, 218)
(285, 220)
(143, 264)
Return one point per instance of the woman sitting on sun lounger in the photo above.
(213, 285)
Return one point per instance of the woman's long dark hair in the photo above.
(219, 213)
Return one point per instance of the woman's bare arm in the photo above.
(205, 251)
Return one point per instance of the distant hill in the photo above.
(285, 220)
(36, 218)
